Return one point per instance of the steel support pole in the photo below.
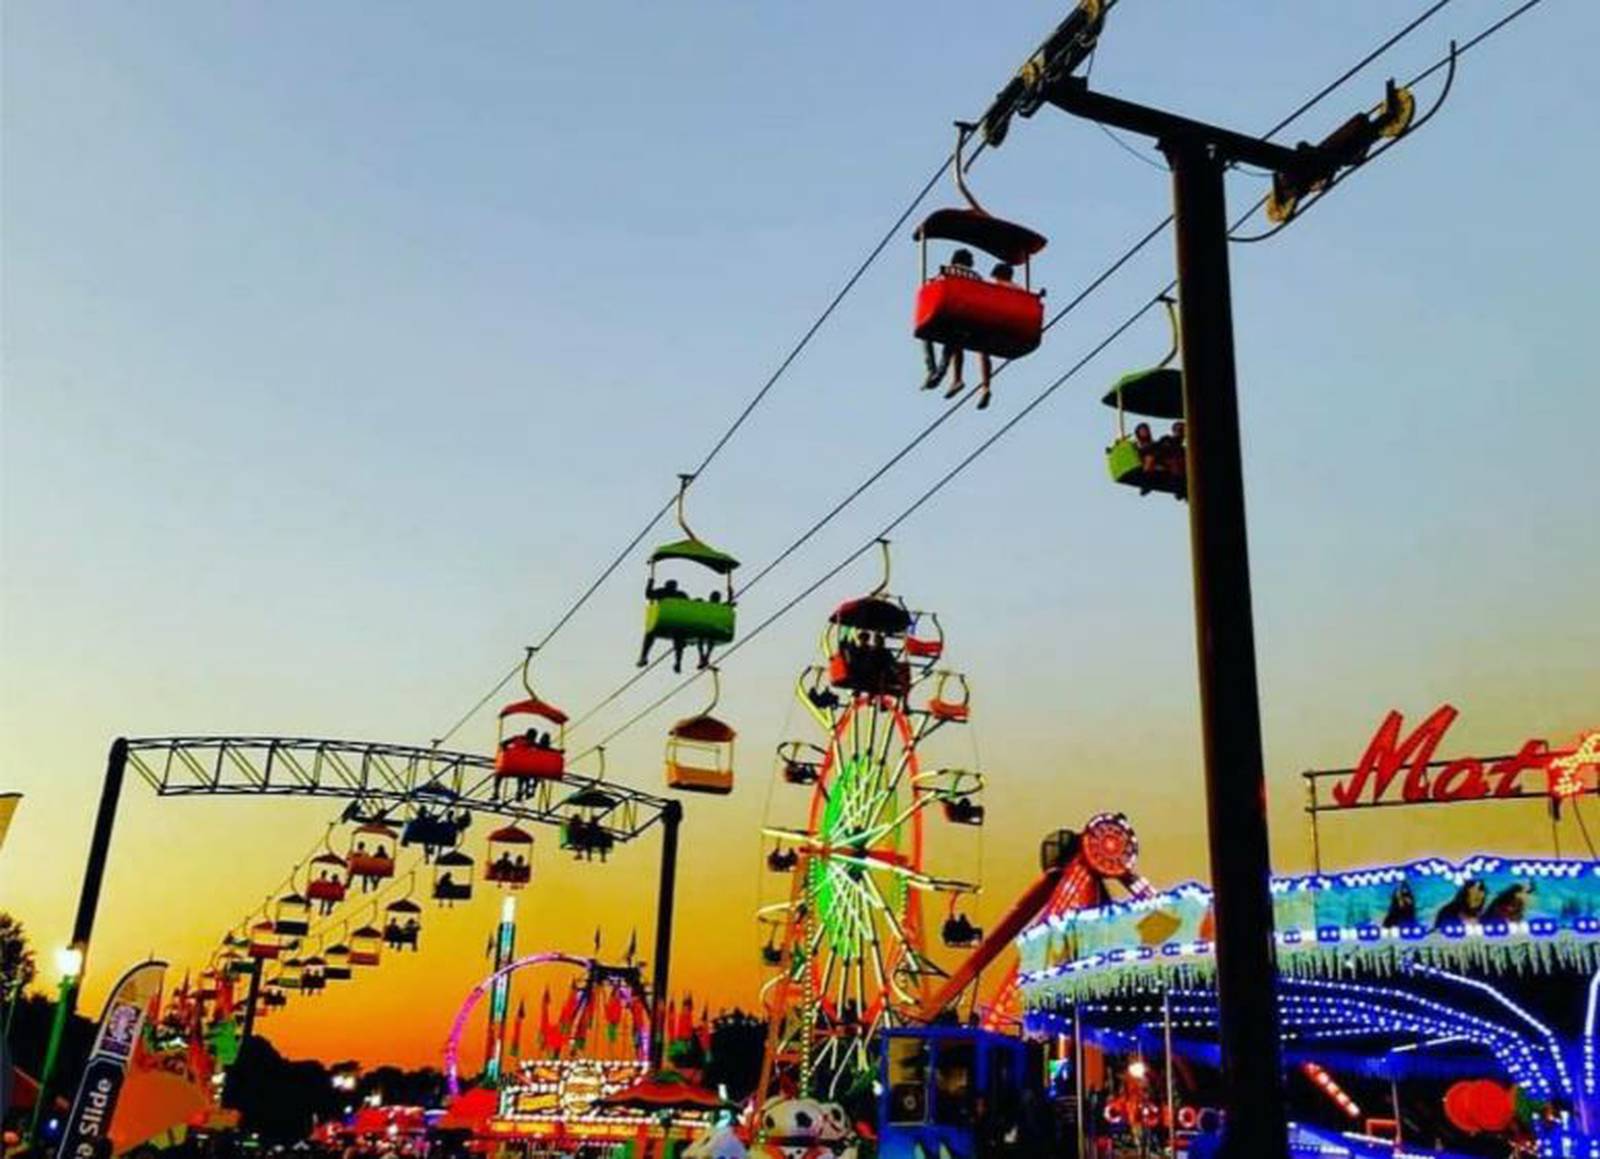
(58, 1026)
(1082, 1151)
(94, 872)
(252, 997)
(1166, 1050)
(671, 818)
(1236, 802)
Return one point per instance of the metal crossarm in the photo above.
(386, 778)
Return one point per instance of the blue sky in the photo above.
(343, 344)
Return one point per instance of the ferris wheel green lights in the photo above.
(846, 939)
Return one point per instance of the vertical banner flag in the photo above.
(130, 1004)
(8, 806)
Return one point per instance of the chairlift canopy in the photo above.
(706, 729)
(695, 551)
(533, 706)
(1157, 393)
(873, 614)
(1006, 240)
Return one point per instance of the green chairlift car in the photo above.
(1141, 460)
(672, 613)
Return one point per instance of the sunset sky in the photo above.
(343, 345)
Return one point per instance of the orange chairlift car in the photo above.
(1142, 460)
(959, 307)
(366, 946)
(531, 755)
(264, 944)
(700, 749)
(509, 861)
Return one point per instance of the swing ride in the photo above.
(847, 941)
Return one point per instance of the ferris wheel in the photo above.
(846, 940)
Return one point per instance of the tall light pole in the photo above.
(69, 961)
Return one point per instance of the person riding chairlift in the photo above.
(667, 590)
(703, 647)
(1170, 451)
(960, 266)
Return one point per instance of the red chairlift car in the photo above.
(264, 945)
(959, 307)
(327, 876)
(509, 860)
(531, 755)
(371, 856)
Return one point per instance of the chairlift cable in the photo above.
(1083, 294)
(1049, 390)
(722, 441)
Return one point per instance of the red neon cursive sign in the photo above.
(1377, 778)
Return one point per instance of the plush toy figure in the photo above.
(717, 1143)
(792, 1129)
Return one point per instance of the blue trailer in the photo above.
(955, 1087)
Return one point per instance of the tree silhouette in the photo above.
(17, 965)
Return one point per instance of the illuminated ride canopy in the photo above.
(1431, 969)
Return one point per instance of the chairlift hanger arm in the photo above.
(1058, 57)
